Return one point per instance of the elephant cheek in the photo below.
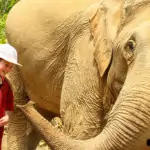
(117, 86)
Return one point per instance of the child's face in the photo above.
(5, 67)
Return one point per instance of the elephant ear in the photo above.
(103, 55)
(104, 25)
(102, 43)
(94, 22)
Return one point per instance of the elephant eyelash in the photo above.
(128, 55)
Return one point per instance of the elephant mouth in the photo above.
(115, 88)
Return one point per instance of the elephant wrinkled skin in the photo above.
(55, 47)
(87, 64)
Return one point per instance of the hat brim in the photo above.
(16, 64)
(2, 57)
(13, 62)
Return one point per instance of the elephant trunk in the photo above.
(54, 138)
(128, 121)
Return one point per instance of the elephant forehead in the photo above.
(144, 29)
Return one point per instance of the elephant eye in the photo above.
(129, 50)
(131, 45)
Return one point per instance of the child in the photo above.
(8, 57)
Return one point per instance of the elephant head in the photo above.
(128, 125)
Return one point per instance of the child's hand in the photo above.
(4, 120)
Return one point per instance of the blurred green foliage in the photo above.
(5, 6)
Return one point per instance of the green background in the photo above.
(5, 6)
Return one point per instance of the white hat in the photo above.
(9, 53)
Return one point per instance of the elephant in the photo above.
(59, 71)
(128, 122)
(69, 62)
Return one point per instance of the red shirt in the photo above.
(6, 98)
